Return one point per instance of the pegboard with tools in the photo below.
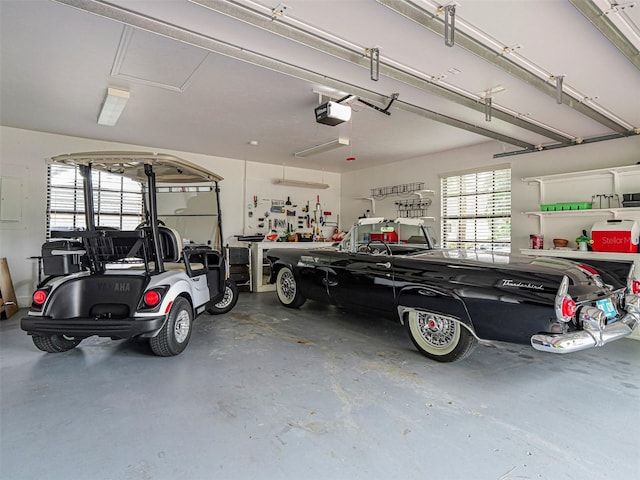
(290, 217)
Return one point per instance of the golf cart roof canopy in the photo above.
(167, 168)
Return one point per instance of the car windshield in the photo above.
(191, 210)
(400, 231)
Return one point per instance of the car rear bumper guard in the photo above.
(86, 327)
(593, 333)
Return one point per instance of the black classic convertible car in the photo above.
(450, 299)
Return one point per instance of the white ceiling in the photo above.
(58, 61)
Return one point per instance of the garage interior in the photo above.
(547, 88)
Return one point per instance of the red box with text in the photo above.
(615, 236)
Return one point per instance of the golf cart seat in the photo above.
(171, 243)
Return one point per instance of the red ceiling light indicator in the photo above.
(351, 159)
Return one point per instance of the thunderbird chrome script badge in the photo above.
(518, 284)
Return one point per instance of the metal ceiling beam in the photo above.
(555, 146)
(143, 22)
(591, 11)
(463, 40)
(266, 22)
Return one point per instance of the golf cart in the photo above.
(150, 282)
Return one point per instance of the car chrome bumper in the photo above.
(583, 339)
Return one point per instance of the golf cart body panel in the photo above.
(122, 284)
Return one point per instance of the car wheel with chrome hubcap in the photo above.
(287, 289)
(439, 337)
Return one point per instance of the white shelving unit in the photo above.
(613, 213)
(616, 180)
(373, 203)
(614, 173)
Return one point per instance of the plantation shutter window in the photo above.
(118, 200)
(476, 210)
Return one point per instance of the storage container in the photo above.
(615, 236)
(536, 242)
(557, 207)
(631, 200)
(387, 237)
(62, 257)
(305, 237)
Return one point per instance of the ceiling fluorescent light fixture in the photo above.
(301, 183)
(323, 147)
(113, 106)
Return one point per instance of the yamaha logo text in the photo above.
(119, 287)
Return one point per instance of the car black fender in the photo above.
(275, 268)
(423, 298)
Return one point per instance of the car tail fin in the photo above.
(633, 282)
(565, 306)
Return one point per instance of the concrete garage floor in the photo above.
(271, 393)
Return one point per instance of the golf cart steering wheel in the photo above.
(146, 224)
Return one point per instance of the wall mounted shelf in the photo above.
(613, 172)
(593, 212)
(402, 189)
(574, 182)
(373, 203)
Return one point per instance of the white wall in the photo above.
(23, 154)
(428, 169)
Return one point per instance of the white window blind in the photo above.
(117, 200)
(476, 210)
